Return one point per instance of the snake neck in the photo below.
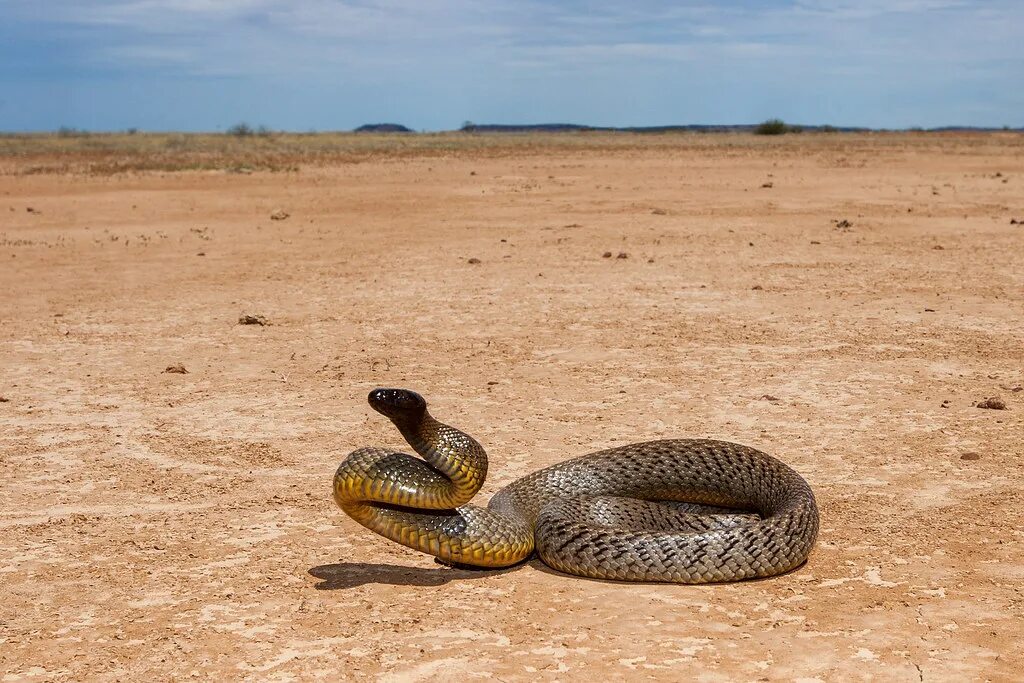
(421, 503)
(451, 452)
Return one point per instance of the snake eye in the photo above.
(397, 403)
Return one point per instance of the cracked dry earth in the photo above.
(166, 525)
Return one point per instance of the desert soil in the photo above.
(165, 525)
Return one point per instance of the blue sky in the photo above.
(432, 64)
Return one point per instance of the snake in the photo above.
(672, 510)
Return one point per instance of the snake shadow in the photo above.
(345, 575)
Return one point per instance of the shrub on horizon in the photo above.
(773, 127)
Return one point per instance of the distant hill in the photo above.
(383, 128)
(573, 127)
(524, 128)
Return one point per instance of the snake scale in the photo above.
(684, 510)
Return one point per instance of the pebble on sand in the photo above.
(177, 369)
(252, 320)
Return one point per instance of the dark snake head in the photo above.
(399, 405)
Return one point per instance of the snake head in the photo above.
(398, 404)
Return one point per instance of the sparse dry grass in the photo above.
(113, 153)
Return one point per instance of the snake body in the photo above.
(683, 510)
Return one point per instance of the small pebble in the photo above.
(252, 320)
(178, 369)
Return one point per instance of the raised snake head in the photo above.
(399, 405)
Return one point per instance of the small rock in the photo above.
(279, 215)
(843, 224)
(252, 320)
(815, 242)
(650, 260)
(200, 253)
(938, 247)
(767, 185)
(929, 310)
(4, 399)
(970, 455)
(1014, 221)
(178, 369)
(769, 397)
(606, 254)
(757, 287)
(473, 261)
(992, 403)
(659, 212)
(622, 254)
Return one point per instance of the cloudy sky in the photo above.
(432, 64)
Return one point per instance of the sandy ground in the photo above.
(161, 526)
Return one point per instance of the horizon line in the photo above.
(244, 129)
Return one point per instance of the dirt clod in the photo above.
(473, 261)
(279, 215)
(177, 369)
(970, 455)
(992, 403)
(252, 320)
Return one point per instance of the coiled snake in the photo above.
(685, 511)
